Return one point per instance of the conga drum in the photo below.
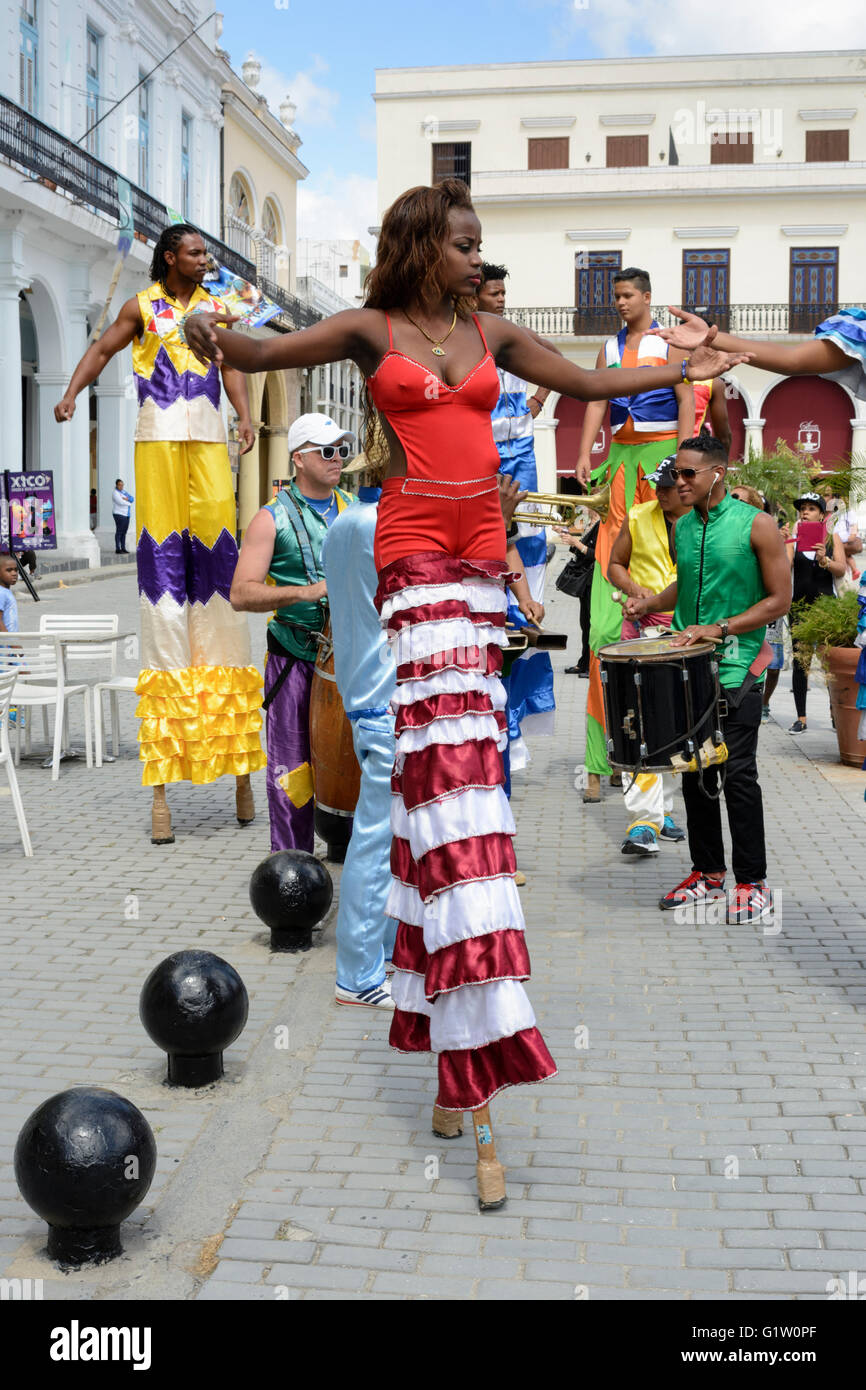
(661, 704)
(336, 774)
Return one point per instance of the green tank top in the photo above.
(718, 575)
(294, 625)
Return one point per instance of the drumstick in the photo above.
(489, 1172)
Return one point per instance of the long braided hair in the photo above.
(169, 240)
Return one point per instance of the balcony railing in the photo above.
(58, 163)
(741, 319)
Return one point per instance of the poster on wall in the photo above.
(27, 518)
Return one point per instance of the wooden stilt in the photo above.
(160, 819)
(489, 1171)
(447, 1124)
(244, 805)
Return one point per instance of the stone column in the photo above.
(72, 472)
(12, 281)
(754, 443)
(544, 436)
(858, 472)
(115, 426)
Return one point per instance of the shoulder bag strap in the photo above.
(293, 512)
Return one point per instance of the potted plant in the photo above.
(829, 626)
(781, 476)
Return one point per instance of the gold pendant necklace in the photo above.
(437, 348)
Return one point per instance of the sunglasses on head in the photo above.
(329, 451)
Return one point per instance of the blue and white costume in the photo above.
(530, 685)
(366, 679)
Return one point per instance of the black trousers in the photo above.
(121, 526)
(584, 601)
(800, 685)
(743, 801)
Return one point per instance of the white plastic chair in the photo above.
(7, 683)
(66, 624)
(37, 661)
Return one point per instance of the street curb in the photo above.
(72, 577)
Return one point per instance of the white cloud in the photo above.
(331, 207)
(620, 27)
(316, 102)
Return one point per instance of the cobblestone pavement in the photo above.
(705, 1137)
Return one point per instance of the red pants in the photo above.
(412, 522)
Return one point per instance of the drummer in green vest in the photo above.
(732, 580)
(280, 568)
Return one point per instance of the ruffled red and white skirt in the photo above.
(460, 953)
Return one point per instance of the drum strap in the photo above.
(293, 512)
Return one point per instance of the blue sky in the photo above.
(325, 53)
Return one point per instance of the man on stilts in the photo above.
(200, 694)
(644, 430)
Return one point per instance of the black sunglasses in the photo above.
(687, 473)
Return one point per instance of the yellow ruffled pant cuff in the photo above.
(199, 723)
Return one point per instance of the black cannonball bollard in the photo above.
(291, 891)
(84, 1161)
(336, 830)
(193, 1006)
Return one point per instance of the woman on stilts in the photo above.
(430, 364)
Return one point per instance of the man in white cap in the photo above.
(283, 543)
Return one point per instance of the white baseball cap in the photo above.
(314, 428)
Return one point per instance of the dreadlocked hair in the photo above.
(410, 265)
(169, 240)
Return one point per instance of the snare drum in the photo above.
(661, 703)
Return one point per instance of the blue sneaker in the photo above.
(641, 839)
(671, 831)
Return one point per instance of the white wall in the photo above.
(526, 215)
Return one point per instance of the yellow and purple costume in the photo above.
(200, 694)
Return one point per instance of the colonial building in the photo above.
(86, 96)
(736, 180)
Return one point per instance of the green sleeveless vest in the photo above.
(287, 567)
(718, 575)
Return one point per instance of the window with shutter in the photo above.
(548, 153)
(452, 161)
(826, 145)
(627, 151)
(732, 147)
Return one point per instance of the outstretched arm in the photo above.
(119, 335)
(349, 334)
(517, 352)
(810, 358)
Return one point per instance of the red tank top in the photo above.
(445, 431)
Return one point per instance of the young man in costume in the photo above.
(641, 564)
(199, 706)
(280, 567)
(529, 682)
(644, 429)
(732, 579)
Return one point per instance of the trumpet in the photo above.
(561, 509)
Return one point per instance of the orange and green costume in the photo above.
(200, 695)
(644, 429)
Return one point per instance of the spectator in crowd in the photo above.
(93, 508)
(121, 501)
(815, 571)
(580, 567)
(776, 629)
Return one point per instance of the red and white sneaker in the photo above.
(694, 889)
(749, 902)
